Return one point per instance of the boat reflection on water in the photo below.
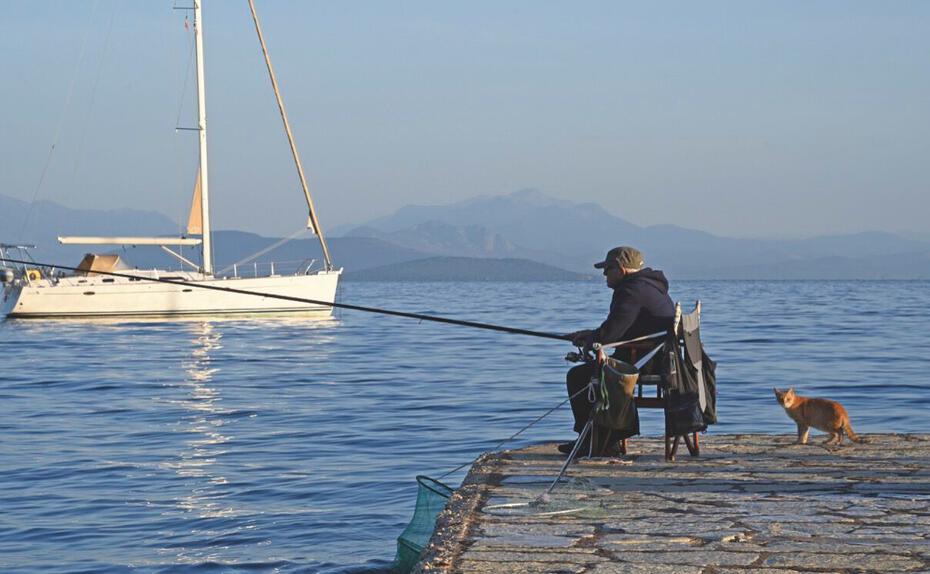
(204, 426)
(213, 516)
(194, 537)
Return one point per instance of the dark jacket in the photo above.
(640, 306)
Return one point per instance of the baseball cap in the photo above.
(625, 256)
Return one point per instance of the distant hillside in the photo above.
(572, 236)
(42, 223)
(525, 225)
(439, 237)
(466, 269)
(558, 232)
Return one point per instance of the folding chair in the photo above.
(683, 379)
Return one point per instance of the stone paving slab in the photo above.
(749, 503)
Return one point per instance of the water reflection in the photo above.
(204, 426)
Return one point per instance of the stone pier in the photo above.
(749, 503)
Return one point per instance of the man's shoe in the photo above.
(583, 450)
(611, 451)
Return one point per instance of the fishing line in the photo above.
(420, 316)
(514, 435)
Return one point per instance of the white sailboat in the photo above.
(30, 292)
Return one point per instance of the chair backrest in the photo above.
(685, 327)
(690, 322)
(689, 334)
(680, 350)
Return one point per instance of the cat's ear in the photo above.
(790, 391)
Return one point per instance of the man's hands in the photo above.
(582, 338)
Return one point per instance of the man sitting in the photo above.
(640, 306)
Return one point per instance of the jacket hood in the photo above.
(649, 276)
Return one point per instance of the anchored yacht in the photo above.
(31, 291)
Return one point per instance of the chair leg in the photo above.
(623, 446)
(668, 449)
(691, 444)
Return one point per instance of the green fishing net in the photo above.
(431, 499)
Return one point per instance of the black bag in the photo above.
(683, 413)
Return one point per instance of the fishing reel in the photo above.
(582, 355)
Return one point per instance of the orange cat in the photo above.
(822, 414)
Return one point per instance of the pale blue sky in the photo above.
(787, 118)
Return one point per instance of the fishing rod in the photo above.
(420, 316)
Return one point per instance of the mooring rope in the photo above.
(419, 316)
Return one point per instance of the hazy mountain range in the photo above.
(539, 236)
(528, 224)
(466, 269)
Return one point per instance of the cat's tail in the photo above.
(847, 428)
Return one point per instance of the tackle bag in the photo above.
(615, 408)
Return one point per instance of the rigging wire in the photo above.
(93, 95)
(182, 98)
(61, 120)
(187, 75)
(333, 304)
(271, 247)
(313, 222)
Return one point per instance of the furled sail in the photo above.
(195, 219)
(96, 262)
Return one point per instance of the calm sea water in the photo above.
(292, 445)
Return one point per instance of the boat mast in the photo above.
(312, 222)
(207, 251)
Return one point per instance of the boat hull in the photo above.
(96, 296)
(8, 298)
